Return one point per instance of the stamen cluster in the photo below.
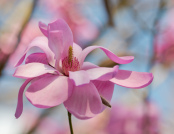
(70, 63)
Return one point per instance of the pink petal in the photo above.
(82, 117)
(79, 77)
(112, 56)
(42, 43)
(105, 89)
(43, 28)
(49, 91)
(77, 50)
(84, 102)
(31, 70)
(102, 73)
(55, 42)
(37, 57)
(88, 65)
(132, 79)
(61, 25)
(19, 107)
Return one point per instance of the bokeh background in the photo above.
(142, 28)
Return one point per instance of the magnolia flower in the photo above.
(60, 74)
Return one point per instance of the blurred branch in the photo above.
(4, 57)
(158, 16)
(27, 20)
(109, 12)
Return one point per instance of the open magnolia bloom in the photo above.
(60, 75)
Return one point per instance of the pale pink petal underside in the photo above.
(19, 107)
(32, 70)
(49, 91)
(102, 73)
(132, 79)
(88, 65)
(85, 101)
(112, 56)
(79, 77)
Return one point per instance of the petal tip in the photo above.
(43, 28)
(17, 116)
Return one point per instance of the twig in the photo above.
(70, 123)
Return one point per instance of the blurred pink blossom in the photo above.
(60, 75)
(50, 126)
(134, 120)
(164, 47)
(164, 40)
(29, 33)
(150, 118)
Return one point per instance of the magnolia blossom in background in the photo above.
(143, 119)
(164, 40)
(150, 122)
(164, 47)
(60, 75)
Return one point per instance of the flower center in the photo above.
(70, 63)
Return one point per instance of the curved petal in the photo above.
(79, 77)
(42, 43)
(32, 70)
(37, 57)
(112, 56)
(82, 117)
(102, 73)
(88, 65)
(105, 89)
(61, 25)
(19, 107)
(49, 91)
(85, 101)
(132, 79)
(55, 42)
(43, 27)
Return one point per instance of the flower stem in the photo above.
(70, 123)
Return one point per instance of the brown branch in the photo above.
(4, 57)
(108, 9)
